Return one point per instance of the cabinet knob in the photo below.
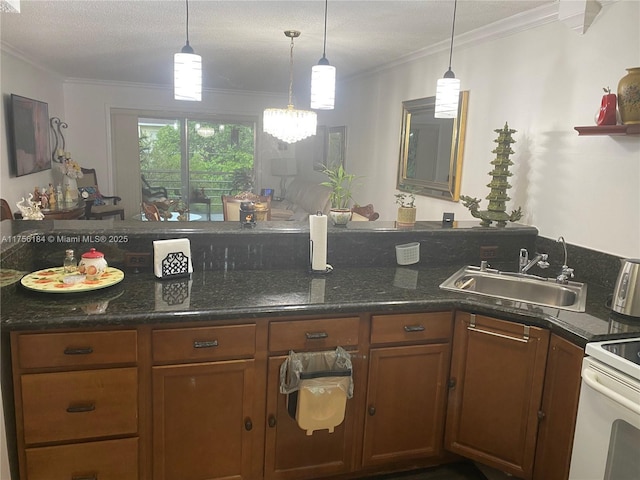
(272, 421)
(248, 424)
(541, 415)
(452, 383)
(372, 410)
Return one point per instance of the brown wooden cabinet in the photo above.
(407, 386)
(559, 410)
(76, 396)
(205, 414)
(497, 375)
(290, 453)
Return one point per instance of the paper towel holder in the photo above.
(328, 268)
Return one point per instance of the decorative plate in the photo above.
(51, 280)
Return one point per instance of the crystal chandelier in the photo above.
(448, 87)
(187, 72)
(288, 124)
(323, 77)
(10, 6)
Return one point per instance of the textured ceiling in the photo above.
(241, 42)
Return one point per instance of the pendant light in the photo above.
(187, 72)
(323, 77)
(448, 88)
(288, 124)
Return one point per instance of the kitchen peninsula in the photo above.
(166, 393)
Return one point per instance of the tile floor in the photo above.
(458, 471)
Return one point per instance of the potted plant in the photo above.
(406, 209)
(340, 182)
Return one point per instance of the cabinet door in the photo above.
(203, 421)
(497, 374)
(405, 403)
(559, 410)
(290, 453)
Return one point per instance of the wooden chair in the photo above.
(5, 210)
(89, 184)
(151, 212)
(231, 205)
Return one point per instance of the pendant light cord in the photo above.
(324, 45)
(187, 2)
(453, 27)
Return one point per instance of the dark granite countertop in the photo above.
(220, 295)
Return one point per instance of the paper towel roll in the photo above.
(318, 234)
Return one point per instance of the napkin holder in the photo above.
(172, 258)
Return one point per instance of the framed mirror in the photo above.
(431, 149)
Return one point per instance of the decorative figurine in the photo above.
(496, 212)
(29, 209)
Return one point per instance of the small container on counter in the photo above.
(92, 264)
(70, 264)
(247, 214)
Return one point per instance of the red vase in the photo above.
(607, 114)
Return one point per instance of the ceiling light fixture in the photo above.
(323, 77)
(288, 124)
(448, 88)
(10, 6)
(187, 72)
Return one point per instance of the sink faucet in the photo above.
(524, 264)
(566, 273)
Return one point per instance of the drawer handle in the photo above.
(89, 407)
(372, 410)
(85, 477)
(206, 344)
(316, 335)
(78, 351)
(413, 328)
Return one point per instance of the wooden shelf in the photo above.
(609, 130)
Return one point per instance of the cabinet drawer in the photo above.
(108, 460)
(76, 349)
(313, 334)
(77, 405)
(411, 327)
(204, 343)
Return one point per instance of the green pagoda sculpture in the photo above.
(496, 212)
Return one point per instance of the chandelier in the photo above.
(288, 124)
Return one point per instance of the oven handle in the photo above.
(590, 377)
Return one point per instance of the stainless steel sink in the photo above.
(519, 288)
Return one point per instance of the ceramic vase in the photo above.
(629, 97)
(406, 216)
(340, 216)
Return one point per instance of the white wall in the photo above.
(543, 82)
(22, 78)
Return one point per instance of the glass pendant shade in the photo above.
(323, 86)
(187, 76)
(447, 97)
(288, 124)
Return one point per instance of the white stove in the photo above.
(607, 435)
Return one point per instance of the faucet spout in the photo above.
(525, 264)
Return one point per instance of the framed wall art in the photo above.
(29, 136)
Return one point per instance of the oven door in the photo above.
(607, 435)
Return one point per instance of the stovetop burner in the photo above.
(623, 354)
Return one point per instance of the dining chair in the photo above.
(151, 212)
(97, 206)
(5, 210)
(231, 205)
